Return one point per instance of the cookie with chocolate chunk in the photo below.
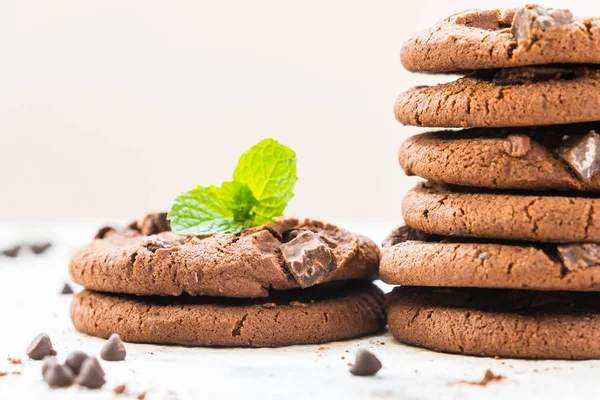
(494, 322)
(544, 158)
(524, 96)
(451, 262)
(483, 39)
(539, 217)
(148, 259)
(299, 316)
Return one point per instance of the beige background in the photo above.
(109, 108)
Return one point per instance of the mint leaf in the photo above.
(269, 170)
(208, 210)
(263, 183)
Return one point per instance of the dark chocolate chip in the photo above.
(366, 364)
(12, 252)
(39, 248)
(75, 360)
(103, 232)
(40, 347)
(48, 360)
(575, 256)
(403, 234)
(67, 289)
(151, 224)
(55, 374)
(113, 349)
(531, 19)
(582, 153)
(308, 258)
(91, 375)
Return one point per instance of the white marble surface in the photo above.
(30, 303)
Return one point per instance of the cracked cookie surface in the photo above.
(463, 212)
(299, 316)
(495, 322)
(517, 159)
(482, 39)
(147, 259)
(448, 262)
(485, 99)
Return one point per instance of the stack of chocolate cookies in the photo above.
(289, 282)
(501, 254)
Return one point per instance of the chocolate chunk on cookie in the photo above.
(245, 265)
(308, 258)
(456, 262)
(462, 212)
(479, 101)
(327, 314)
(493, 322)
(544, 158)
(484, 39)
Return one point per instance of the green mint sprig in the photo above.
(263, 183)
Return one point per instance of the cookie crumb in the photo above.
(343, 357)
(16, 372)
(3, 373)
(141, 396)
(496, 357)
(13, 360)
(120, 389)
(487, 378)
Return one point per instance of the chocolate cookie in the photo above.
(286, 254)
(524, 96)
(482, 39)
(494, 322)
(315, 315)
(424, 260)
(454, 211)
(551, 158)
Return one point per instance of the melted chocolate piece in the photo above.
(532, 19)
(582, 153)
(308, 258)
(575, 256)
(151, 224)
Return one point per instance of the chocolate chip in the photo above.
(91, 375)
(151, 224)
(40, 347)
(39, 248)
(104, 231)
(575, 256)
(532, 19)
(525, 75)
(365, 364)
(403, 234)
(12, 252)
(67, 289)
(517, 145)
(75, 360)
(582, 153)
(55, 374)
(308, 258)
(113, 349)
